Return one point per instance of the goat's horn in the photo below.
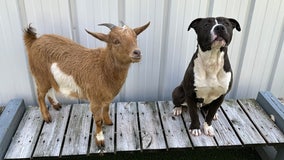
(109, 25)
(122, 23)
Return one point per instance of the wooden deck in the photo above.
(139, 126)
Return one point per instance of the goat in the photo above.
(97, 75)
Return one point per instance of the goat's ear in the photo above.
(138, 30)
(100, 36)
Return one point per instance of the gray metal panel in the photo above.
(9, 121)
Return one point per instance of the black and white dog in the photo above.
(208, 77)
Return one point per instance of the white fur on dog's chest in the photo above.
(210, 79)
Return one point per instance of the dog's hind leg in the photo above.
(178, 96)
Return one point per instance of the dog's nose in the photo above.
(220, 28)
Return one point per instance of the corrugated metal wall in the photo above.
(256, 53)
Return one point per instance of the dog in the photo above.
(209, 76)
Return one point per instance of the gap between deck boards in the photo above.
(139, 126)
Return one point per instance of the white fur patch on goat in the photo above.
(210, 79)
(66, 83)
(100, 136)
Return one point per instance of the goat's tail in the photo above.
(29, 36)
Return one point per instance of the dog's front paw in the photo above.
(195, 132)
(177, 111)
(216, 116)
(208, 130)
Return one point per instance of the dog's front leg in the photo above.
(194, 128)
(212, 109)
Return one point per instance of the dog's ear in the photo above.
(235, 24)
(194, 23)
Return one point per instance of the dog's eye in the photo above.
(227, 24)
(206, 25)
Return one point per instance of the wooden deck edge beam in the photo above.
(273, 107)
(11, 116)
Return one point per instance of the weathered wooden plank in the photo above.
(198, 141)
(108, 134)
(174, 128)
(224, 132)
(127, 134)
(263, 122)
(272, 106)
(78, 131)
(275, 108)
(151, 129)
(9, 121)
(241, 123)
(52, 134)
(25, 138)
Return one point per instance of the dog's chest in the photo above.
(210, 79)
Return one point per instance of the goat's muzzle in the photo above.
(136, 56)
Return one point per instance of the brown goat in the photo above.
(97, 75)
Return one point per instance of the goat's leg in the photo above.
(98, 120)
(106, 117)
(41, 102)
(52, 99)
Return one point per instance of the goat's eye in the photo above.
(116, 41)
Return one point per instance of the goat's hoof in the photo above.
(101, 150)
(47, 118)
(57, 106)
(100, 144)
(108, 123)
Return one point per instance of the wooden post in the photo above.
(9, 121)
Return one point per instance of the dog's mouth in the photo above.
(218, 38)
(218, 41)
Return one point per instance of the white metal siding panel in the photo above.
(256, 53)
(14, 78)
(144, 77)
(260, 50)
(90, 13)
(278, 81)
(277, 76)
(49, 16)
